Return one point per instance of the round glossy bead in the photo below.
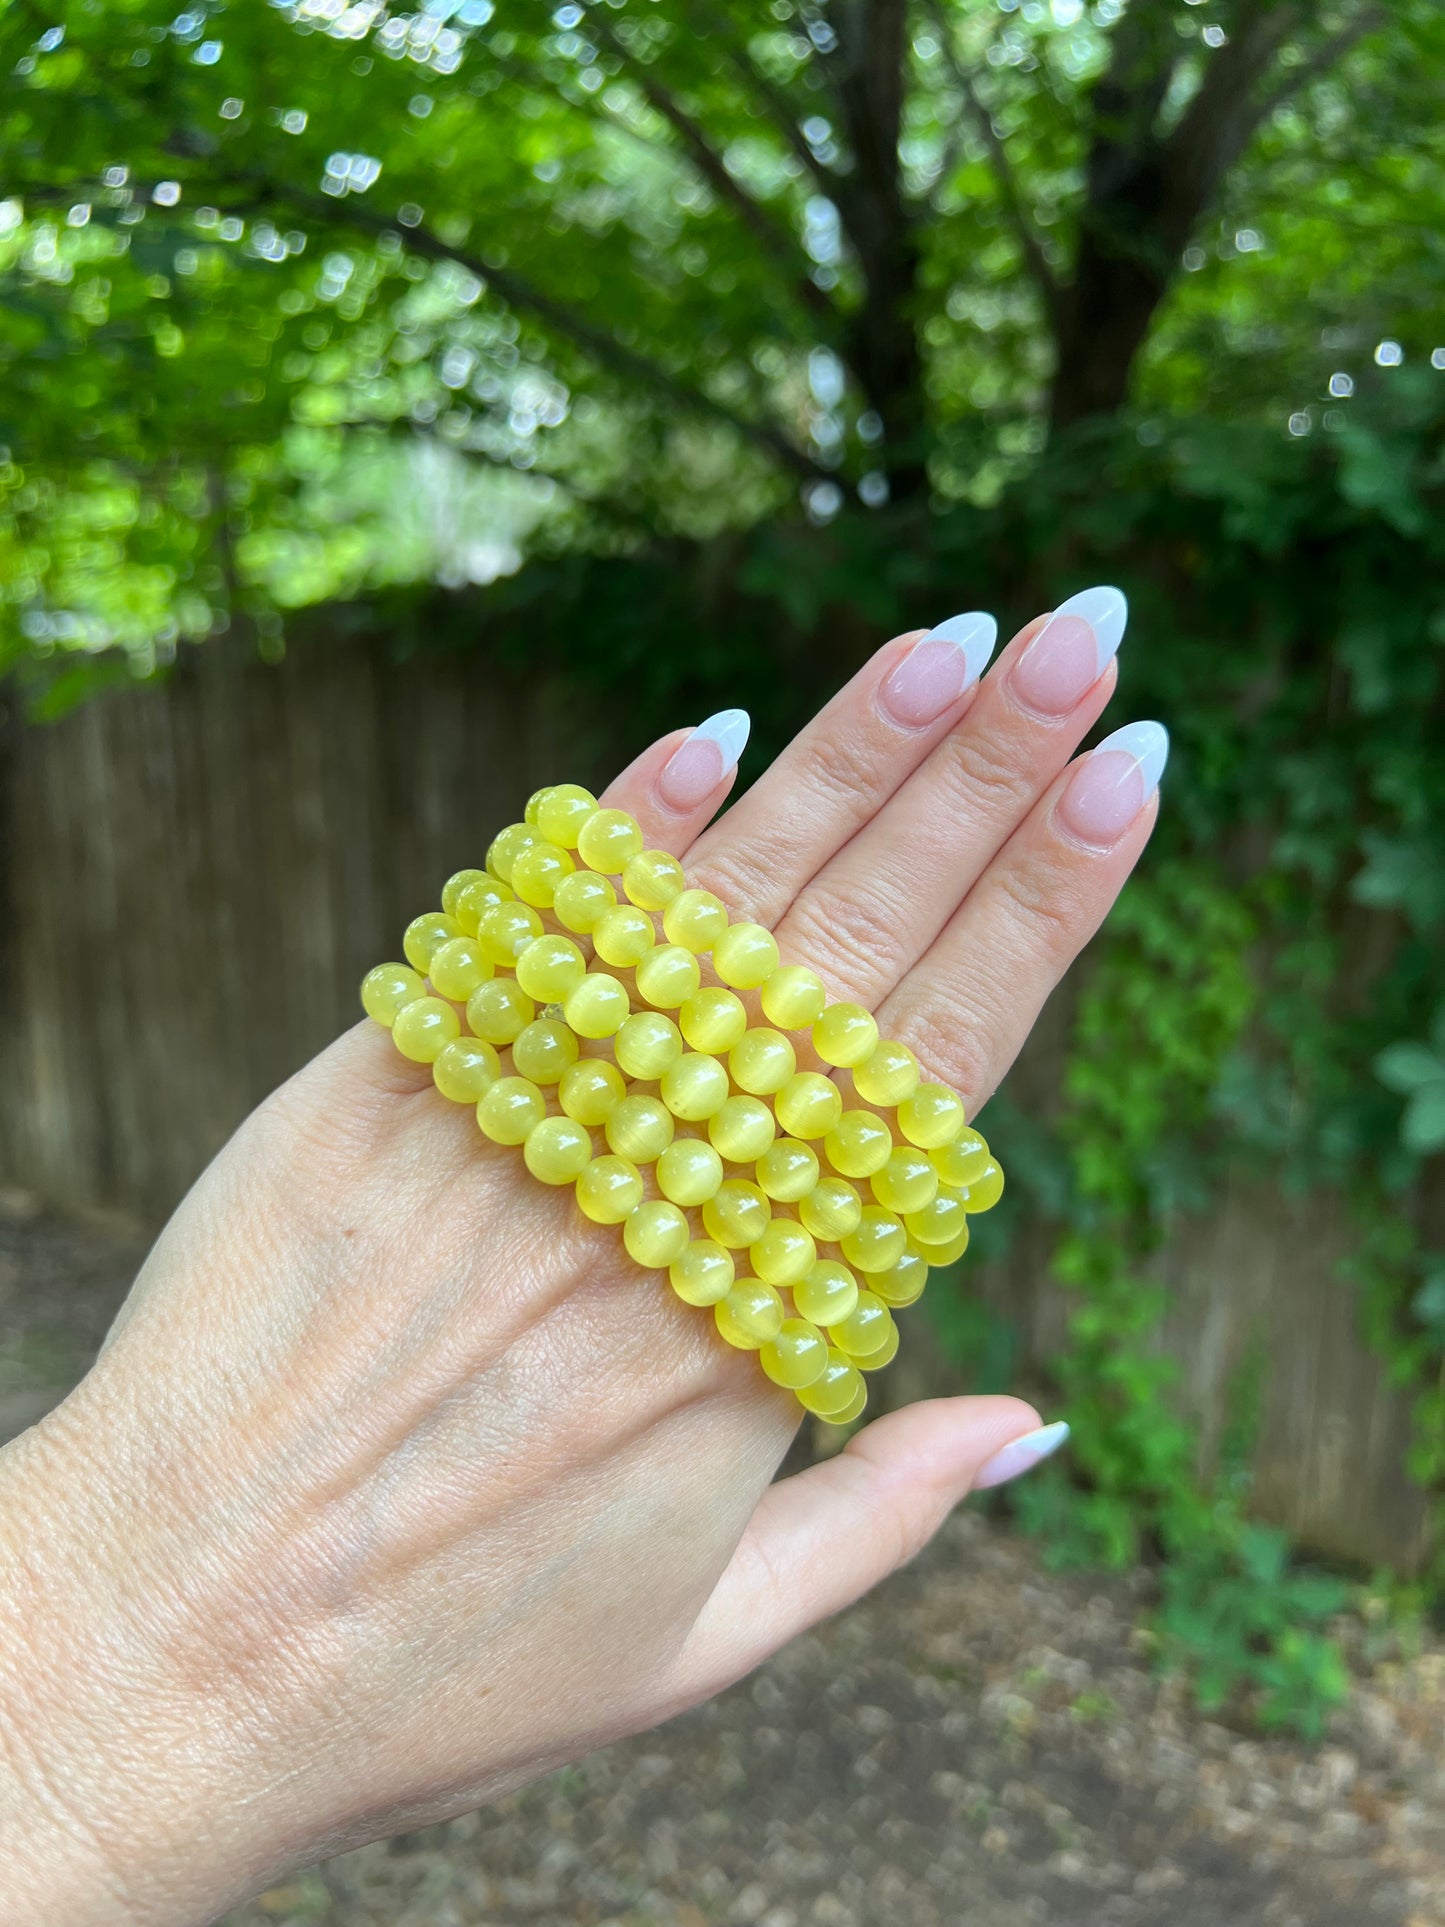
(878, 1242)
(506, 930)
(543, 1051)
(580, 899)
(827, 1294)
(713, 1020)
(668, 976)
(903, 1285)
(793, 997)
(940, 1220)
(607, 840)
(745, 955)
(931, 1117)
(831, 1209)
(535, 802)
(422, 1027)
(550, 969)
(762, 1061)
(788, 1170)
(689, 1171)
(388, 989)
(500, 1010)
(798, 1356)
(737, 1214)
(865, 1330)
(477, 899)
(561, 812)
(743, 1129)
(639, 1128)
(855, 1408)
(598, 1007)
(647, 1043)
(784, 1254)
(457, 967)
(695, 919)
(623, 935)
(845, 1034)
(704, 1273)
(464, 1069)
(834, 1389)
(656, 1234)
(652, 878)
(859, 1144)
(557, 1151)
(906, 1182)
(808, 1105)
(963, 1161)
(455, 884)
(887, 1075)
(426, 934)
(695, 1087)
(510, 1109)
(507, 845)
(590, 1090)
(537, 872)
(885, 1354)
(750, 1315)
(985, 1191)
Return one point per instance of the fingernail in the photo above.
(938, 668)
(700, 764)
(1070, 653)
(1112, 783)
(1021, 1455)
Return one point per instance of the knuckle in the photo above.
(852, 941)
(747, 886)
(845, 773)
(956, 1046)
(1039, 898)
(983, 763)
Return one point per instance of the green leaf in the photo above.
(1407, 1067)
(1422, 1128)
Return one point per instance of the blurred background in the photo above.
(402, 409)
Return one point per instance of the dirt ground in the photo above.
(981, 1743)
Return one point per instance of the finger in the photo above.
(869, 915)
(969, 1004)
(820, 1539)
(842, 768)
(676, 787)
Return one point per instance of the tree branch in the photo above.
(780, 110)
(1331, 50)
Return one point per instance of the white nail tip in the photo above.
(1148, 744)
(1021, 1455)
(975, 634)
(1106, 611)
(729, 729)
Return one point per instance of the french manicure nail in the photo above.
(697, 766)
(1112, 783)
(1021, 1455)
(1070, 653)
(938, 668)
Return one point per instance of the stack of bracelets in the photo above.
(718, 1148)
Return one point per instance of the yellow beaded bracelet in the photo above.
(557, 1008)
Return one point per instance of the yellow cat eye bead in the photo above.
(695, 1087)
(623, 935)
(788, 1170)
(543, 1051)
(808, 1105)
(639, 1128)
(874, 1361)
(388, 989)
(940, 1220)
(737, 1214)
(646, 1044)
(797, 1357)
(877, 1243)
(845, 1034)
(854, 1409)
(425, 935)
(859, 1144)
(793, 998)
(598, 1007)
(421, 1028)
(580, 899)
(931, 1117)
(887, 1075)
(745, 955)
(477, 899)
(537, 872)
(695, 919)
(550, 969)
(985, 1191)
(865, 1330)
(743, 1129)
(827, 1294)
(704, 1273)
(557, 1151)
(464, 1069)
(500, 1010)
(903, 1285)
(506, 930)
(652, 878)
(507, 845)
(963, 1161)
(940, 1255)
(535, 802)
(607, 840)
(656, 1234)
(906, 1182)
(455, 884)
(713, 1020)
(590, 1090)
(457, 967)
(668, 976)
(784, 1254)
(561, 812)
(689, 1171)
(510, 1109)
(751, 1314)
(831, 1210)
(762, 1061)
(835, 1388)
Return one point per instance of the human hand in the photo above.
(397, 1483)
